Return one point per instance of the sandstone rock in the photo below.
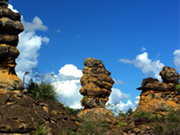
(169, 75)
(20, 113)
(154, 84)
(96, 84)
(158, 97)
(10, 27)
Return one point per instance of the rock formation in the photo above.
(160, 96)
(10, 27)
(21, 113)
(96, 85)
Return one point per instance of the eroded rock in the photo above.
(10, 27)
(160, 96)
(96, 84)
(21, 113)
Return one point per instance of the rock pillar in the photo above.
(96, 84)
(10, 27)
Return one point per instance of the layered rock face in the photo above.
(96, 84)
(160, 96)
(10, 27)
(20, 113)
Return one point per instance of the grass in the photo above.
(40, 130)
(42, 90)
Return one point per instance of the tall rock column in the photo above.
(96, 84)
(10, 27)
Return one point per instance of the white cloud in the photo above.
(36, 24)
(118, 82)
(116, 96)
(67, 84)
(145, 64)
(177, 58)
(121, 101)
(29, 45)
(11, 7)
(70, 70)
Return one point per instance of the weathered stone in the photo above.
(19, 114)
(169, 75)
(160, 96)
(96, 84)
(10, 27)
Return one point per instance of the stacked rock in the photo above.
(10, 27)
(169, 75)
(96, 84)
(158, 96)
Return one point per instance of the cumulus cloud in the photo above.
(29, 44)
(67, 84)
(121, 101)
(70, 70)
(11, 7)
(36, 24)
(177, 58)
(145, 64)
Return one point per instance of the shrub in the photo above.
(73, 111)
(42, 90)
(40, 130)
(92, 125)
(121, 113)
(177, 88)
(120, 124)
(143, 115)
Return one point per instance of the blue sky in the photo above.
(133, 38)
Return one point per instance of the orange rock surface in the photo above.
(160, 96)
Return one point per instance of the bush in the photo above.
(40, 130)
(73, 111)
(42, 90)
(121, 113)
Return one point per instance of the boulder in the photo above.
(169, 75)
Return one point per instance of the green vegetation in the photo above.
(90, 125)
(73, 111)
(141, 114)
(119, 113)
(177, 88)
(120, 124)
(42, 90)
(40, 130)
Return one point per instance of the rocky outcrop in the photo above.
(96, 84)
(160, 96)
(10, 27)
(96, 88)
(21, 113)
(169, 75)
